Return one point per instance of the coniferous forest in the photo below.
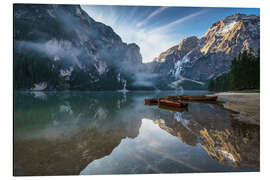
(244, 74)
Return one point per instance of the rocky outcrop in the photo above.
(179, 51)
(232, 34)
(210, 56)
(168, 66)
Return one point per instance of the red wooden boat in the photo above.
(151, 101)
(176, 104)
(199, 98)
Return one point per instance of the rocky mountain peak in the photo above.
(210, 56)
(188, 43)
(179, 50)
(231, 31)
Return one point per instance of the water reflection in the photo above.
(67, 131)
(112, 133)
(228, 141)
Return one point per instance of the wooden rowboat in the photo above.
(151, 101)
(176, 104)
(198, 98)
(172, 98)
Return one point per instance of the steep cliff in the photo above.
(61, 47)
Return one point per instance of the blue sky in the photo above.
(155, 28)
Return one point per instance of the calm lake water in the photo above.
(63, 133)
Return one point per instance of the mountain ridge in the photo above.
(211, 55)
(58, 47)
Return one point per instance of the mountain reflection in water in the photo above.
(65, 133)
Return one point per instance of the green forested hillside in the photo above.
(244, 74)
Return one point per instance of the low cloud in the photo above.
(53, 48)
(144, 79)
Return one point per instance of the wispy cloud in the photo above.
(151, 41)
(177, 22)
(154, 13)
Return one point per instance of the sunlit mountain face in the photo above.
(156, 28)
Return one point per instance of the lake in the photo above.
(83, 133)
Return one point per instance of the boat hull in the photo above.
(198, 98)
(150, 101)
(165, 102)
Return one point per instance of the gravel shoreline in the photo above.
(247, 104)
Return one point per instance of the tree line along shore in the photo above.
(244, 74)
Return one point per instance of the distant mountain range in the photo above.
(59, 47)
(199, 60)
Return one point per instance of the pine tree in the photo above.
(244, 74)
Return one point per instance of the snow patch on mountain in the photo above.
(66, 72)
(181, 79)
(56, 58)
(101, 67)
(177, 69)
(93, 79)
(228, 27)
(186, 58)
(198, 82)
(178, 65)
